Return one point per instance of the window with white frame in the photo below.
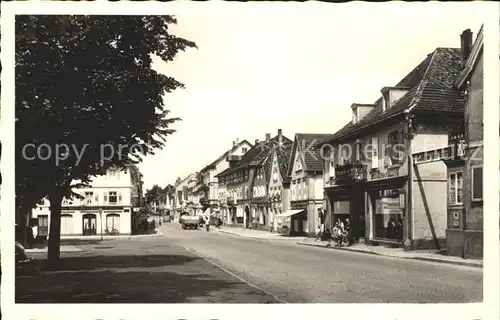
(113, 197)
(298, 164)
(332, 169)
(89, 196)
(477, 182)
(374, 152)
(455, 191)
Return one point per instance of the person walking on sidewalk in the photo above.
(348, 231)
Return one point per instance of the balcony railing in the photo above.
(350, 172)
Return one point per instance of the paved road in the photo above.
(142, 270)
(296, 273)
(160, 269)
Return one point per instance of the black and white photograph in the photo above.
(334, 157)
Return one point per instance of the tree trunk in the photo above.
(55, 198)
(22, 224)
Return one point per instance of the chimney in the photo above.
(237, 140)
(234, 143)
(280, 136)
(268, 137)
(257, 142)
(465, 45)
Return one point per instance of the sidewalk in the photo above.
(63, 248)
(255, 234)
(398, 253)
(158, 233)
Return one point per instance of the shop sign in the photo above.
(389, 173)
(389, 206)
(389, 193)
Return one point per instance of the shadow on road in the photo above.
(114, 261)
(134, 279)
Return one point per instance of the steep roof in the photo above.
(283, 154)
(256, 156)
(305, 143)
(432, 90)
(223, 156)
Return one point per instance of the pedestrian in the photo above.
(348, 231)
(318, 233)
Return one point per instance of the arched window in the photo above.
(113, 222)
(66, 224)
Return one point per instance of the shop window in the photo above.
(477, 183)
(388, 216)
(455, 191)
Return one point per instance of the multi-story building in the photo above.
(106, 207)
(216, 199)
(260, 202)
(182, 193)
(371, 173)
(279, 184)
(305, 170)
(238, 181)
(464, 233)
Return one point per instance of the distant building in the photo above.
(106, 206)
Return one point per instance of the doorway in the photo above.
(89, 224)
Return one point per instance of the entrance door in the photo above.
(358, 215)
(89, 224)
(43, 225)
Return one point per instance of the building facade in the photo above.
(464, 231)
(106, 208)
(239, 178)
(217, 199)
(305, 170)
(279, 184)
(371, 175)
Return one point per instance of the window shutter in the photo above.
(119, 197)
(374, 155)
(477, 183)
(105, 196)
(96, 197)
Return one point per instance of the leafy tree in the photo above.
(153, 194)
(85, 82)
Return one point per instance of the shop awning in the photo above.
(289, 213)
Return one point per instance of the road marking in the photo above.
(215, 264)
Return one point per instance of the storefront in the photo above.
(347, 203)
(386, 210)
(292, 222)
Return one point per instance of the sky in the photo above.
(296, 68)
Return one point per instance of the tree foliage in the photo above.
(86, 82)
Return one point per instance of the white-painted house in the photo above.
(106, 207)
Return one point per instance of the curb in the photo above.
(435, 260)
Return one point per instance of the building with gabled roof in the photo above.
(370, 175)
(305, 169)
(238, 181)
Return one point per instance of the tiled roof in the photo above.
(255, 156)
(306, 142)
(224, 155)
(432, 90)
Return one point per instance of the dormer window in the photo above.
(391, 95)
